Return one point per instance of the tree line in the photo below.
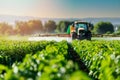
(32, 27)
(36, 26)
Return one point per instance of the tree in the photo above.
(35, 26)
(103, 27)
(118, 27)
(50, 26)
(6, 29)
(63, 26)
(22, 27)
(29, 27)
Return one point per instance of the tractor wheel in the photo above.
(89, 35)
(88, 38)
(74, 35)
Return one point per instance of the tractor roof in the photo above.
(80, 21)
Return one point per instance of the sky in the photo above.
(61, 8)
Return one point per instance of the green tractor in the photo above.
(81, 30)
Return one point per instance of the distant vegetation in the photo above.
(63, 26)
(36, 26)
(32, 27)
(103, 27)
(50, 26)
(21, 28)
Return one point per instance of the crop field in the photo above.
(52, 60)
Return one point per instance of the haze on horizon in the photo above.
(61, 8)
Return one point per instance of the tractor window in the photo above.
(81, 25)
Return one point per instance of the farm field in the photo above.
(52, 60)
(59, 40)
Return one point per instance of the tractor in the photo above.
(81, 30)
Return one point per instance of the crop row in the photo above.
(11, 51)
(49, 62)
(102, 58)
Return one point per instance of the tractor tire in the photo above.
(89, 35)
(74, 35)
(89, 38)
